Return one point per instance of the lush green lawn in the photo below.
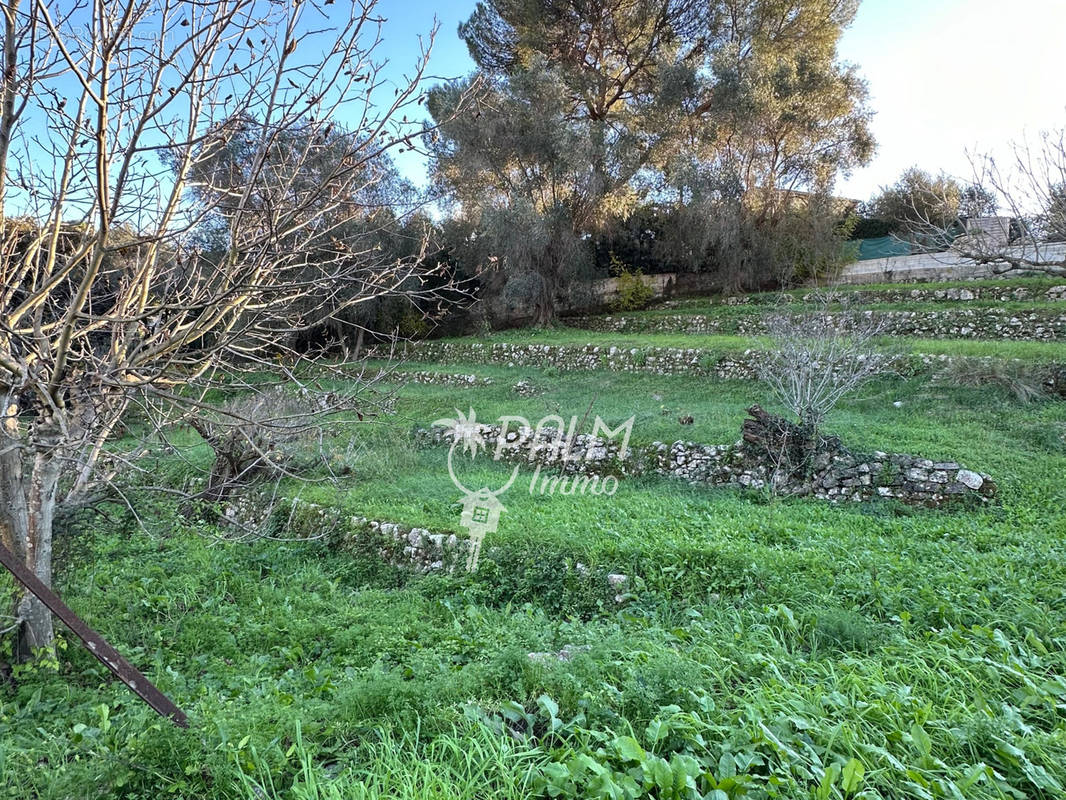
(762, 648)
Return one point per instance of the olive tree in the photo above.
(722, 114)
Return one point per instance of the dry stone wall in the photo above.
(407, 547)
(391, 542)
(960, 323)
(431, 378)
(772, 454)
(695, 361)
(1002, 293)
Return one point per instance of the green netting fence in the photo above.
(883, 247)
(888, 246)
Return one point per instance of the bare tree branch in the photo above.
(263, 125)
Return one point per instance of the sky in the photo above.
(946, 77)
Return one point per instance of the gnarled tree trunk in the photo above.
(28, 484)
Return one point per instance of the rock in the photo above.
(567, 653)
(969, 479)
(616, 580)
(525, 389)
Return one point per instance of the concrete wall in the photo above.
(598, 295)
(933, 267)
(897, 269)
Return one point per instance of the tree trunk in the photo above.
(544, 314)
(550, 271)
(27, 509)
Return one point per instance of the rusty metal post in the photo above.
(96, 644)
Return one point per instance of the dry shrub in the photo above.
(816, 357)
(1027, 382)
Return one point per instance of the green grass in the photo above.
(1026, 351)
(761, 643)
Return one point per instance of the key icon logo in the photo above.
(481, 508)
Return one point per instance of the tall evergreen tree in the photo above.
(587, 108)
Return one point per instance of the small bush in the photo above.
(842, 630)
(633, 293)
(412, 324)
(709, 362)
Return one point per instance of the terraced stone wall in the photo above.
(700, 362)
(771, 454)
(959, 323)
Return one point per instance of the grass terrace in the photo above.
(758, 641)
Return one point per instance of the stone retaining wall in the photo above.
(394, 543)
(406, 546)
(431, 378)
(699, 362)
(960, 323)
(998, 292)
(1003, 293)
(660, 360)
(764, 458)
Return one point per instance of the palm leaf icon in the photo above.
(465, 430)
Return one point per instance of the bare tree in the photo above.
(816, 357)
(111, 117)
(1030, 191)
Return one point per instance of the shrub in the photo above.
(817, 357)
(412, 324)
(633, 293)
(1026, 381)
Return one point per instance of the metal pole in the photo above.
(97, 645)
